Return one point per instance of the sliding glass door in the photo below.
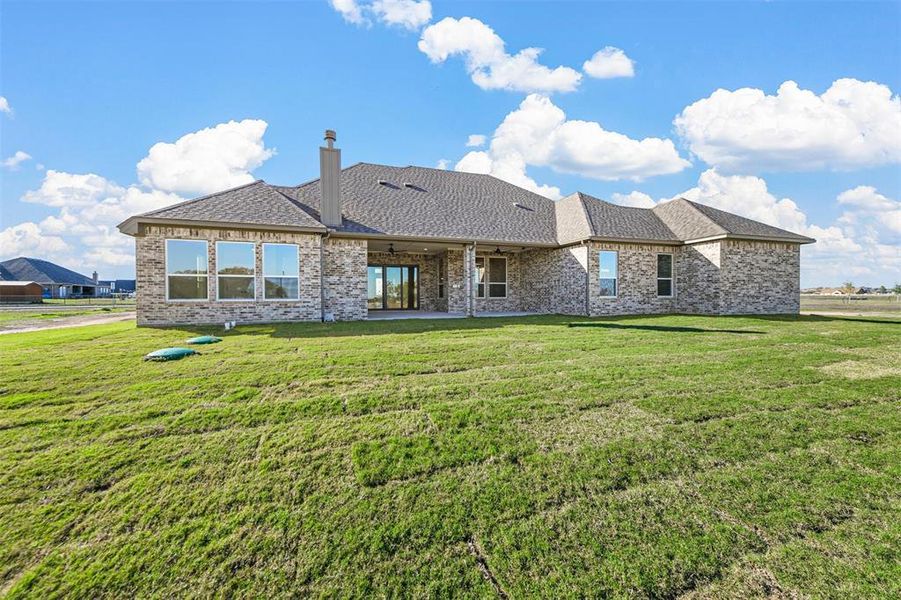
(393, 287)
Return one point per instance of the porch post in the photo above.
(469, 267)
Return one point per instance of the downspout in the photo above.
(322, 276)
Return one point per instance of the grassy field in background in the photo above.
(99, 301)
(868, 303)
(530, 457)
(17, 318)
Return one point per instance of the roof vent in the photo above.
(413, 186)
(522, 206)
(388, 184)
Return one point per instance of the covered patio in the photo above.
(436, 279)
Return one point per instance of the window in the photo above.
(664, 275)
(442, 276)
(235, 270)
(497, 277)
(281, 272)
(186, 270)
(607, 260)
(480, 277)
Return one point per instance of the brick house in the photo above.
(371, 238)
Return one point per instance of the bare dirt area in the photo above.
(28, 323)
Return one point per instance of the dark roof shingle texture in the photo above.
(256, 203)
(418, 202)
(624, 222)
(41, 271)
(440, 204)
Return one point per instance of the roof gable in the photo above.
(256, 203)
(615, 222)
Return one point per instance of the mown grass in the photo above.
(531, 457)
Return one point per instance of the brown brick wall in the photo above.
(554, 280)
(636, 280)
(760, 278)
(345, 279)
(154, 309)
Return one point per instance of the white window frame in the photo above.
(167, 275)
(489, 283)
(672, 274)
(263, 278)
(252, 276)
(475, 276)
(615, 279)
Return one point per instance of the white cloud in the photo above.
(871, 216)
(4, 106)
(60, 189)
(475, 140)
(863, 244)
(350, 10)
(487, 61)
(27, 239)
(12, 163)
(538, 134)
(853, 124)
(442, 164)
(636, 199)
(82, 233)
(609, 63)
(208, 160)
(409, 14)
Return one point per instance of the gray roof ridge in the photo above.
(693, 205)
(701, 208)
(193, 200)
(315, 179)
(585, 217)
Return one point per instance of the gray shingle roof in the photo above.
(256, 203)
(692, 220)
(41, 271)
(572, 220)
(742, 226)
(439, 205)
(615, 222)
(418, 202)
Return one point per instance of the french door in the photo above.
(393, 287)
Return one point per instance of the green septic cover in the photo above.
(170, 354)
(205, 339)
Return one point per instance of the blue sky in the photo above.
(91, 87)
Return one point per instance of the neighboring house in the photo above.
(124, 286)
(374, 238)
(57, 281)
(15, 292)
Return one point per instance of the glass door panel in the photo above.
(376, 297)
(394, 288)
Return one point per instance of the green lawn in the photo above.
(531, 457)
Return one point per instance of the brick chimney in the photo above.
(330, 181)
